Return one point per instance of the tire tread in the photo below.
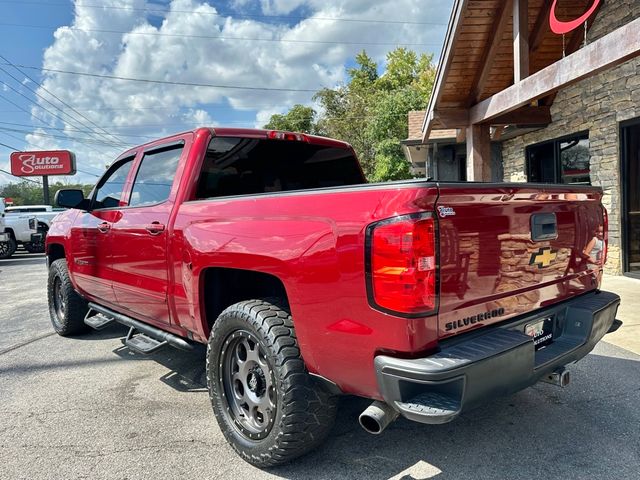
(308, 410)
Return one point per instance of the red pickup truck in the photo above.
(306, 283)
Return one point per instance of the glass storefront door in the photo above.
(631, 196)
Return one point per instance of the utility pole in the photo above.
(45, 188)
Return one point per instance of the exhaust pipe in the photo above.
(377, 417)
(559, 378)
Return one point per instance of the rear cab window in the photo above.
(248, 166)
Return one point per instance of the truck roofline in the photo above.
(236, 132)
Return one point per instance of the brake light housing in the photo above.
(402, 265)
(288, 136)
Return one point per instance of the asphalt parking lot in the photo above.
(86, 407)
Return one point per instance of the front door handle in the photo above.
(155, 228)
(104, 227)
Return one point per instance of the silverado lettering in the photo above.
(465, 322)
(271, 248)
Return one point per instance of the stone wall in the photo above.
(596, 104)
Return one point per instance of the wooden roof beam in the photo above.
(453, 29)
(452, 117)
(540, 27)
(497, 32)
(529, 116)
(520, 40)
(613, 49)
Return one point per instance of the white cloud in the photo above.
(159, 50)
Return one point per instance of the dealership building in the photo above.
(541, 91)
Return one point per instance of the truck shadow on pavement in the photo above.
(589, 429)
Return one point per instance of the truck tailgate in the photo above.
(507, 250)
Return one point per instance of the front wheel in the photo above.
(67, 309)
(267, 405)
(8, 248)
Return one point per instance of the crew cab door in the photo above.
(91, 238)
(140, 260)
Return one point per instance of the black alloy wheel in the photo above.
(248, 384)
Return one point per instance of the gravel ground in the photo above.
(86, 407)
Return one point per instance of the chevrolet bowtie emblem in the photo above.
(543, 257)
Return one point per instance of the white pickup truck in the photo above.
(22, 228)
(5, 244)
(31, 234)
(45, 213)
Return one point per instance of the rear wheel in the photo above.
(8, 248)
(67, 309)
(266, 403)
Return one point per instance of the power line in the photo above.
(20, 139)
(76, 130)
(166, 82)
(119, 144)
(232, 14)
(113, 144)
(11, 174)
(42, 121)
(222, 37)
(9, 147)
(59, 100)
(45, 148)
(88, 141)
(24, 179)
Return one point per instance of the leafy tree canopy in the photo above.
(298, 119)
(370, 110)
(29, 193)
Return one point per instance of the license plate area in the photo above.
(541, 332)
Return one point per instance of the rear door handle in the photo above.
(155, 228)
(104, 227)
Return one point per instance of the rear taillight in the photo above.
(605, 231)
(401, 267)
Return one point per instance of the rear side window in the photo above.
(155, 177)
(245, 166)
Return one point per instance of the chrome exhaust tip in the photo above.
(377, 417)
(560, 378)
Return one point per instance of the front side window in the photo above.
(155, 177)
(565, 160)
(109, 190)
(246, 166)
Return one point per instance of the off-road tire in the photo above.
(70, 319)
(304, 410)
(8, 248)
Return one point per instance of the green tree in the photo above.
(29, 193)
(370, 110)
(390, 162)
(298, 119)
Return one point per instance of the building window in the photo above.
(564, 160)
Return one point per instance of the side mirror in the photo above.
(71, 198)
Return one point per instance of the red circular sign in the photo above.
(560, 27)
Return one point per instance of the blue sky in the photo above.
(287, 48)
